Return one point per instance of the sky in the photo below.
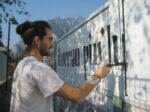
(50, 9)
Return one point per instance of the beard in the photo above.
(43, 51)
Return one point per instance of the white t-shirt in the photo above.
(33, 85)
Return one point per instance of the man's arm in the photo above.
(75, 94)
(79, 93)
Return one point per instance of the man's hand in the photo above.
(79, 93)
(103, 71)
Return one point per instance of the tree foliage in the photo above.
(18, 58)
(8, 6)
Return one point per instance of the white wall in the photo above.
(131, 90)
(137, 26)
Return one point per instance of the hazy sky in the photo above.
(49, 9)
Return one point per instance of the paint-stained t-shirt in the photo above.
(33, 85)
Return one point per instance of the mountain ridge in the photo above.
(59, 28)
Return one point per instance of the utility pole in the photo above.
(11, 21)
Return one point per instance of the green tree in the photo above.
(8, 7)
(18, 58)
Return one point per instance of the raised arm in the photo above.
(79, 93)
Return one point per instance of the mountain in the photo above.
(18, 49)
(59, 28)
(62, 26)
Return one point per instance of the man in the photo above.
(34, 82)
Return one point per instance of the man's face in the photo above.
(46, 43)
